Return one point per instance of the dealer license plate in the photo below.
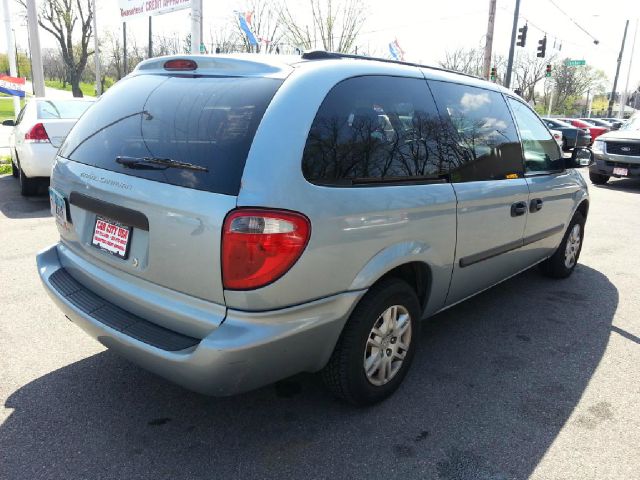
(623, 172)
(112, 237)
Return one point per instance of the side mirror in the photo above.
(581, 157)
(9, 123)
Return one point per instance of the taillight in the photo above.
(259, 246)
(37, 134)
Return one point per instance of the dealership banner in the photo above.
(145, 8)
(12, 85)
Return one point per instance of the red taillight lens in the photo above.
(37, 134)
(259, 246)
(180, 64)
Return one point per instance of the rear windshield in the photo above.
(209, 122)
(62, 109)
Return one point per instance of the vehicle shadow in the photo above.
(621, 184)
(493, 383)
(14, 205)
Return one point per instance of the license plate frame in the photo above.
(59, 207)
(623, 172)
(108, 236)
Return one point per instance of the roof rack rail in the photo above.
(324, 55)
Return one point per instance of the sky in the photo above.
(426, 29)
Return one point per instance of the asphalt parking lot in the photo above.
(532, 379)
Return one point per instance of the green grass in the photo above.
(87, 88)
(5, 165)
(6, 108)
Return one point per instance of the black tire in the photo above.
(345, 374)
(28, 186)
(598, 179)
(15, 171)
(555, 266)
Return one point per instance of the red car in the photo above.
(594, 130)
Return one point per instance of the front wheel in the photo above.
(15, 171)
(562, 263)
(598, 179)
(377, 345)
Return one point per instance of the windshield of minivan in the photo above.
(62, 109)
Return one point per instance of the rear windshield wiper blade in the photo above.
(150, 163)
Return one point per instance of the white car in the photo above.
(38, 132)
(557, 136)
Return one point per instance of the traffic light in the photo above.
(494, 74)
(522, 36)
(542, 47)
(547, 72)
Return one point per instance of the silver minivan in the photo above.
(229, 221)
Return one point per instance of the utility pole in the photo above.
(615, 80)
(96, 50)
(11, 52)
(623, 100)
(150, 37)
(196, 26)
(36, 53)
(125, 64)
(514, 29)
(488, 46)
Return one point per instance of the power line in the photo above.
(595, 40)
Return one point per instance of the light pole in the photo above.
(514, 29)
(196, 26)
(96, 49)
(36, 53)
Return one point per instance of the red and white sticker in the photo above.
(112, 237)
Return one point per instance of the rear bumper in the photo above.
(605, 163)
(36, 159)
(248, 350)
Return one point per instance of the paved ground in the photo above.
(534, 378)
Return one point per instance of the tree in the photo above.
(571, 83)
(471, 62)
(332, 25)
(60, 18)
(528, 70)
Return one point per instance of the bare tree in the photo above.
(333, 25)
(225, 39)
(471, 62)
(59, 18)
(571, 83)
(528, 70)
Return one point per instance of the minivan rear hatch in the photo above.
(152, 169)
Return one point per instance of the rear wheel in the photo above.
(377, 345)
(598, 179)
(28, 186)
(562, 263)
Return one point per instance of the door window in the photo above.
(541, 152)
(376, 129)
(479, 131)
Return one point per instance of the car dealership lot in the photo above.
(534, 378)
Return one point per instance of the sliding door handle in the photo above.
(518, 209)
(536, 205)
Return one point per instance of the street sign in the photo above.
(575, 63)
(145, 8)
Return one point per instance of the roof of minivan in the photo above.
(280, 66)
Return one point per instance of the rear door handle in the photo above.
(536, 205)
(518, 209)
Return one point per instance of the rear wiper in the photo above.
(154, 163)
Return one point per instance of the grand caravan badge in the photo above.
(106, 181)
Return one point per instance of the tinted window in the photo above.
(69, 109)
(375, 128)
(540, 150)
(481, 133)
(209, 122)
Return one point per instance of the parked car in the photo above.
(617, 154)
(598, 122)
(615, 122)
(38, 131)
(230, 221)
(571, 136)
(594, 130)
